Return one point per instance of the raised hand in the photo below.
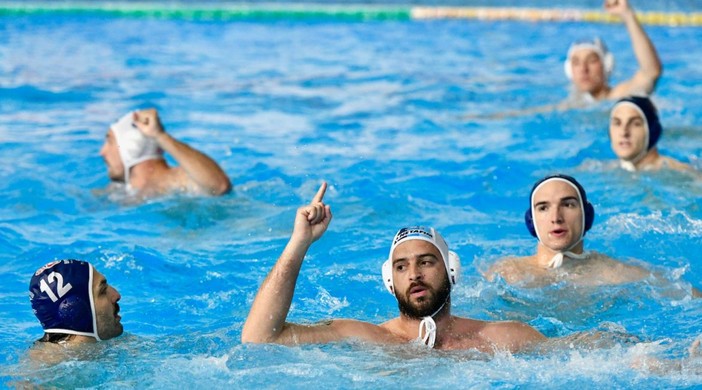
(617, 7)
(148, 122)
(312, 220)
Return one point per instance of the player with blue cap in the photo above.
(74, 303)
(634, 131)
(559, 215)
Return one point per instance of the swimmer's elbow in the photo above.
(653, 73)
(221, 187)
(659, 71)
(250, 337)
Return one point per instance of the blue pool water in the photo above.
(379, 110)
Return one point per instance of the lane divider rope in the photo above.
(348, 12)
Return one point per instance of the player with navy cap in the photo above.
(74, 303)
(634, 131)
(559, 215)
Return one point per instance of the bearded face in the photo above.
(420, 300)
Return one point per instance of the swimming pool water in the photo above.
(379, 110)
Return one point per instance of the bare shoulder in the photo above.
(511, 269)
(616, 271)
(176, 180)
(49, 354)
(366, 331)
(620, 90)
(672, 163)
(328, 331)
(513, 336)
(638, 84)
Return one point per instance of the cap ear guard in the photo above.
(453, 271)
(387, 276)
(454, 267)
(589, 217)
(529, 222)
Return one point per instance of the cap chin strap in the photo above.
(557, 260)
(630, 165)
(427, 329)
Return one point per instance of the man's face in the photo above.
(110, 153)
(419, 275)
(558, 215)
(588, 71)
(627, 132)
(106, 308)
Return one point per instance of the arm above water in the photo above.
(196, 169)
(266, 320)
(650, 68)
(334, 330)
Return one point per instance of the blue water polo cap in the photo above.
(647, 111)
(586, 207)
(61, 295)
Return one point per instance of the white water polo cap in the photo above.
(595, 45)
(451, 260)
(134, 146)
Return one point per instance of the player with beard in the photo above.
(75, 306)
(420, 272)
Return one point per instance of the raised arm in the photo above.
(650, 68)
(200, 170)
(266, 320)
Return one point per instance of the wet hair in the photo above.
(54, 338)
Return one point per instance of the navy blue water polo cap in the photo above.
(61, 295)
(648, 111)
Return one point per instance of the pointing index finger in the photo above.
(320, 193)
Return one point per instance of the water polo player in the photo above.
(74, 303)
(133, 153)
(419, 272)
